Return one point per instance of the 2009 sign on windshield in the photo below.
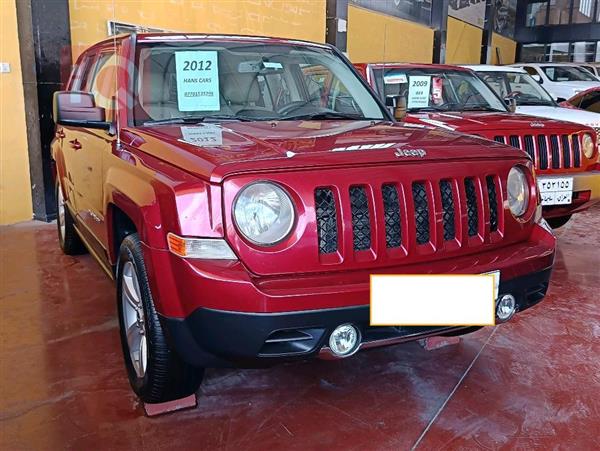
(419, 83)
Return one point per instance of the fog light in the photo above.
(344, 340)
(506, 307)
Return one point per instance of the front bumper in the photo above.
(210, 337)
(586, 192)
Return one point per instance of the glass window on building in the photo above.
(583, 52)
(558, 52)
(417, 10)
(559, 12)
(533, 53)
(583, 11)
(536, 14)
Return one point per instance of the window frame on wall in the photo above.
(395, 8)
(594, 50)
(595, 17)
(115, 28)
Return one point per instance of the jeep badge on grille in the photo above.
(410, 153)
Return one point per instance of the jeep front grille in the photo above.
(556, 151)
(472, 213)
(434, 213)
(421, 212)
(529, 147)
(326, 212)
(391, 216)
(448, 217)
(361, 222)
(493, 201)
(543, 151)
(576, 152)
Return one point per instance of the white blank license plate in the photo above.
(434, 299)
(556, 190)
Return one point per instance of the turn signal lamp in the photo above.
(205, 248)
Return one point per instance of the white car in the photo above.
(561, 80)
(531, 98)
(594, 68)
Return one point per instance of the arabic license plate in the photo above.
(496, 275)
(556, 190)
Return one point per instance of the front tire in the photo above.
(556, 223)
(69, 240)
(156, 373)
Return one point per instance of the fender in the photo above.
(133, 194)
(159, 201)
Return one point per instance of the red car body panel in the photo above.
(164, 184)
(507, 126)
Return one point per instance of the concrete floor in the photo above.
(532, 383)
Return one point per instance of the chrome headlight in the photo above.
(588, 145)
(263, 213)
(518, 191)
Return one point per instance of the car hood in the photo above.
(475, 122)
(562, 113)
(215, 151)
(577, 86)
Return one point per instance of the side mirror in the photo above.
(398, 106)
(537, 78)
(511, 103)
(78, 109)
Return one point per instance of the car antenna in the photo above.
(117, 62)
(384, 61)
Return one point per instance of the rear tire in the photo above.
(69, 240)
(556, 223)
(156, 373)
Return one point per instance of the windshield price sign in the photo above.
(197, 81)
(202, 135)
(418, 92)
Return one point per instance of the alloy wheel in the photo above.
(133, 316)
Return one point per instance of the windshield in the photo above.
(567, 73)
(524, 89)
(437, 90)
(192, 82)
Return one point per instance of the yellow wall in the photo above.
(463, 43)
(299, 19)
(375, 37)
(508, 49)
(15, 190)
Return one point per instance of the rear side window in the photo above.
(591, 102)
(82, 73)
(102, 82)
(575, 101)
(530, 70)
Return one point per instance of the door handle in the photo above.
(59, 134)
(75, 144)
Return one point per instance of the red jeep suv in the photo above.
(565, 154)
(241, 208)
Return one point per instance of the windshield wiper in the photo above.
(326, 115)
(535, 104)
(426, 109)
(483, 108)
(196, 119)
